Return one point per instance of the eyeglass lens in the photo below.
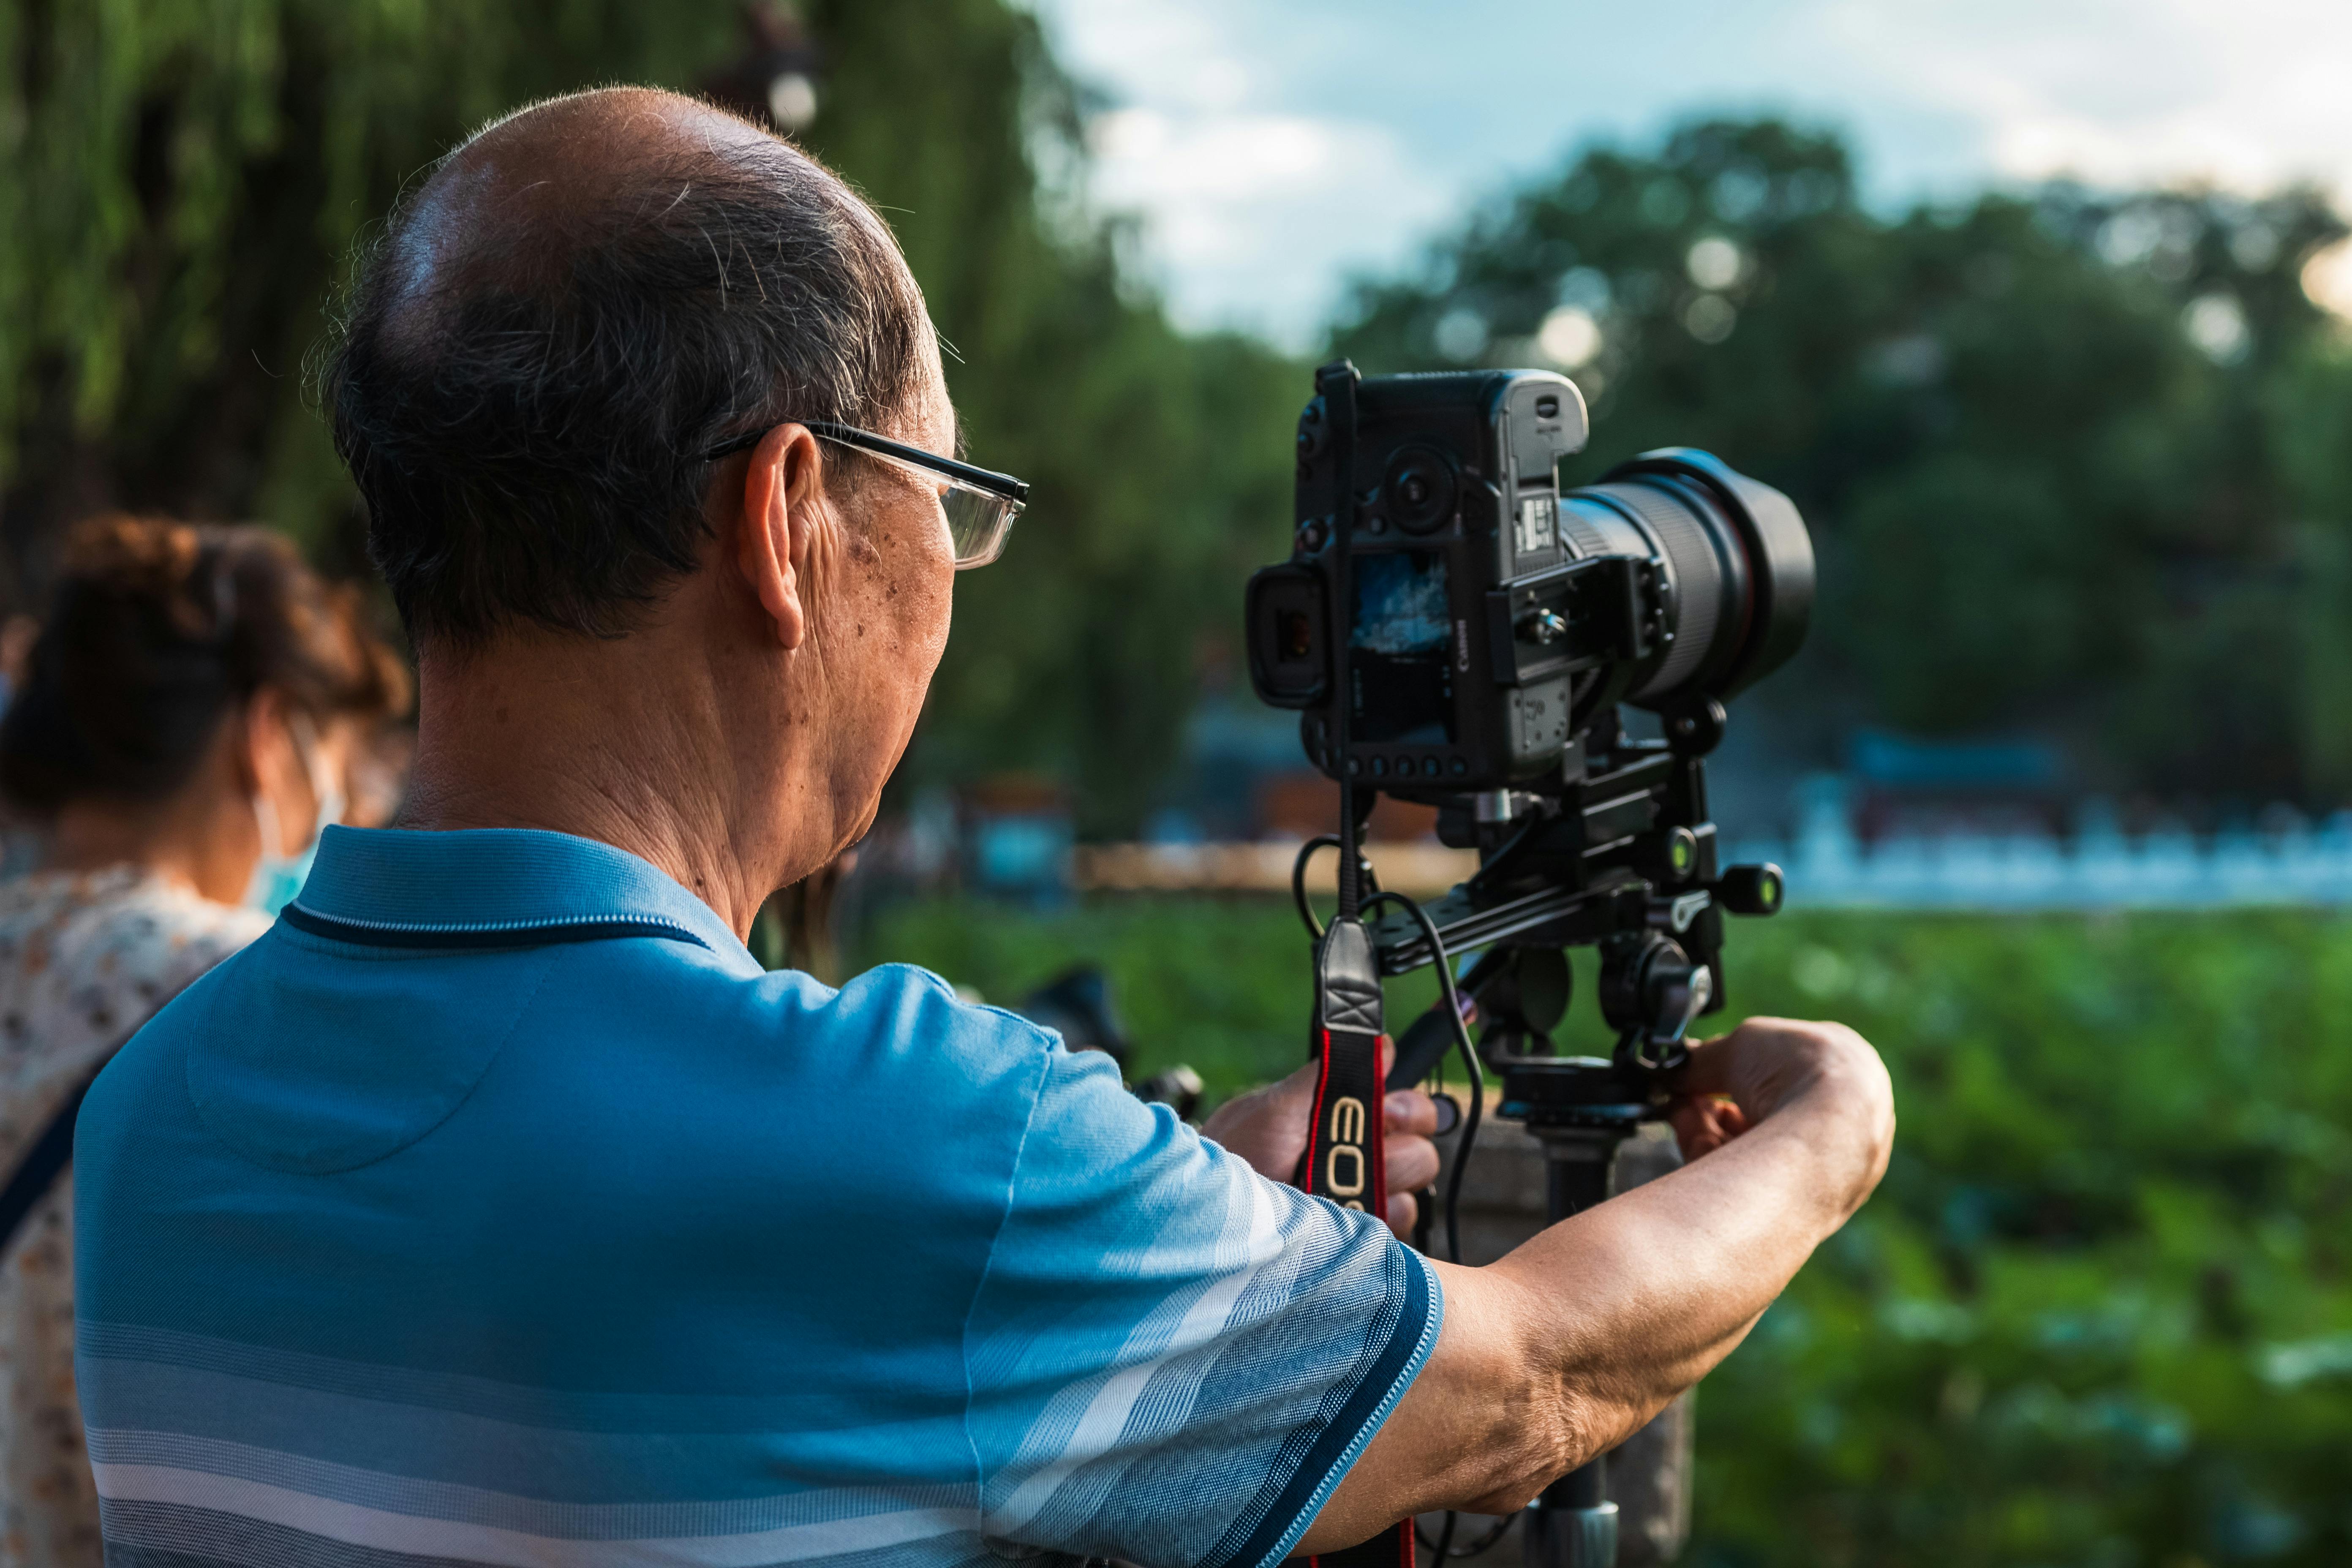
(978, 522)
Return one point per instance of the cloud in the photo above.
(1248, 189)
(1253, 206)
(2247, 94)
(1272, 150)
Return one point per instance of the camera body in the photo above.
(1455, 546)
(1489, 619)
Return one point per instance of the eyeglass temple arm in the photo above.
(988, 480)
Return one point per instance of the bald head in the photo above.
(518, 202)
(580, 302)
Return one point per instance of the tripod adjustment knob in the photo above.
(1751, 889)
(1651, 991)
(1678, 995)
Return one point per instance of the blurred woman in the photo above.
(190, 715)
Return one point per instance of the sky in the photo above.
(1273, 148)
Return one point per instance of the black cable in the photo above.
(1298, 880)
(1469, 1063)
(1495, 1532)
(1351, 889)
(1372, 880)
(1485, 1544)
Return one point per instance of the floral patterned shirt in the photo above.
(85, 959)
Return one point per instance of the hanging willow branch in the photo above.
(184, 177)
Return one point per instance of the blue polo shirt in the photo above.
(496, 1207)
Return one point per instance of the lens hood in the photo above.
(1763, 563)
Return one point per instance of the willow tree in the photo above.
(1160, 463)
(187, 177)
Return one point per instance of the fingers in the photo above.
(1412, 1159)
(1703, 1125)
(1404, 1210)
(1693, 1131)
(1412, 1163)
(1709, 1070)
(1266, 1127)
(1764, 1062)
(1409, 1110)
(1300, 1085)
(1768, 1066)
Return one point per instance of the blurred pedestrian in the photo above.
(192, 711)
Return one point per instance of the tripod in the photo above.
(1582, 1109)
(1573, 1524)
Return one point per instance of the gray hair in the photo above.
(524, 407)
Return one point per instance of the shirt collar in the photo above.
(497, 887)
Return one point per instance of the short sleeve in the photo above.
(1174, 1360)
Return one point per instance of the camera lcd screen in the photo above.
(1401, 650)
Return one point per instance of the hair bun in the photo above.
(157, 562)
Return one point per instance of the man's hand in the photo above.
(1267, 1127)
(1738, 1079)
(1564, 1348)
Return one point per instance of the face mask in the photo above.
(277, 877)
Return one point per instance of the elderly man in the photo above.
(495, 1207)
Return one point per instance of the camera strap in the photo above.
(1344, 1147)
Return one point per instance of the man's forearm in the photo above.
(1628, 1303)
(1564, 1348)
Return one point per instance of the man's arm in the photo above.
(1564, 1348)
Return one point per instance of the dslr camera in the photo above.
(1455, 629)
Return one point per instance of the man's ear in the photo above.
(783, 487)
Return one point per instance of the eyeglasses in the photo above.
(980, 505)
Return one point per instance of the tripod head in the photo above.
(1621, 859)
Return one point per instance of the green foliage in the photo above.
(1155, 460)
(184, 176)
(2100, 1310)
(2099, 1313)
(2071, 459)
(188, 174)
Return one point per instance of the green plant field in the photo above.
(2099, 1313)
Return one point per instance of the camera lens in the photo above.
(1419, 489)
(1737, 560)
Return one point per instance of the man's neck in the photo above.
(576, 736)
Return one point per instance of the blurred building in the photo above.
(1904, 786)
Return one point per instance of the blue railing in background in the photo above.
(2291, 862)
